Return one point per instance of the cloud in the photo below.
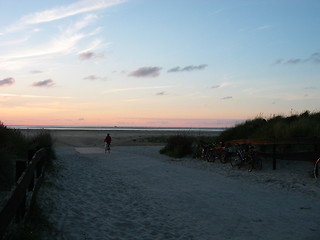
(90, 55)
(62, 39)
(64, 43)
(36, 71)
(313, 58)
(188, 68)
(81, 119)
(146, 72)
(7, 82)
(135, 89)
(263, 27)
(61, 12)
(215, 86)
(94, 77)
(161, 93)
(44, 83)
(30, 96)
(226, 98)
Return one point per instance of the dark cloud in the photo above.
(94, 77)
(226, 98)
(215, 86)
(90, 55)
(188, 68)
(294, 61)
(81, 119)
(44, 83)
(146, 72)
(86, 55)
(7, 82)
(161, 93)
(313, 58)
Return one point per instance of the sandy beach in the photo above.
(136, 193)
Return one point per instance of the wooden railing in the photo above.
(22, 196)
(276, 154)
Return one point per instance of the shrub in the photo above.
(178, 146)
(13, 145)
(304, 125)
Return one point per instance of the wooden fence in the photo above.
(275, 145)
(29, 176)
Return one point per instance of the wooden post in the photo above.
(274, 160)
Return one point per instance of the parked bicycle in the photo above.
(212, 152)
(246, 157)
(203, 151)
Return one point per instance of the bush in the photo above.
(304, 125)
(13, 145)
(178, 146)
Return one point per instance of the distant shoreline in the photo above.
(116, 128)
(124, 137)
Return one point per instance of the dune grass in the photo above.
(14, 145)
(304, 125)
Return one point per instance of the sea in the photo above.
(109, 128)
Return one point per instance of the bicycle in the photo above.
(217, 151)
(202, 151)
(316, 168)
(107, 148)
(247, 158)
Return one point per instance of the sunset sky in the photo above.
(187, 63)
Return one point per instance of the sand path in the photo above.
(135, 193)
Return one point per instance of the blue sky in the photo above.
(157, 63)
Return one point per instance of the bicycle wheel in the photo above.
(249, 163)
(235, 161)
(223, 156)
(211, 156)
(316, 170)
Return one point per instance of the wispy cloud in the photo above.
(135, 89)
(31, 96)
(44, 83)
(146, 72)
(60, 40)
(94, 77)
(36, 71)
(313, 58)
(263, 27)
(188, 68)
(161, 93)
(226, 98)
(90, 55)
(7, 82)
(61, 12)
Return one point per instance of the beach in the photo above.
(136, 193)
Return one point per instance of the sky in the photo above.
(168, 63)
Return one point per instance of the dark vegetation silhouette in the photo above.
(304, 125)
(15, 145)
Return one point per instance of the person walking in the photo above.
(107, 141)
